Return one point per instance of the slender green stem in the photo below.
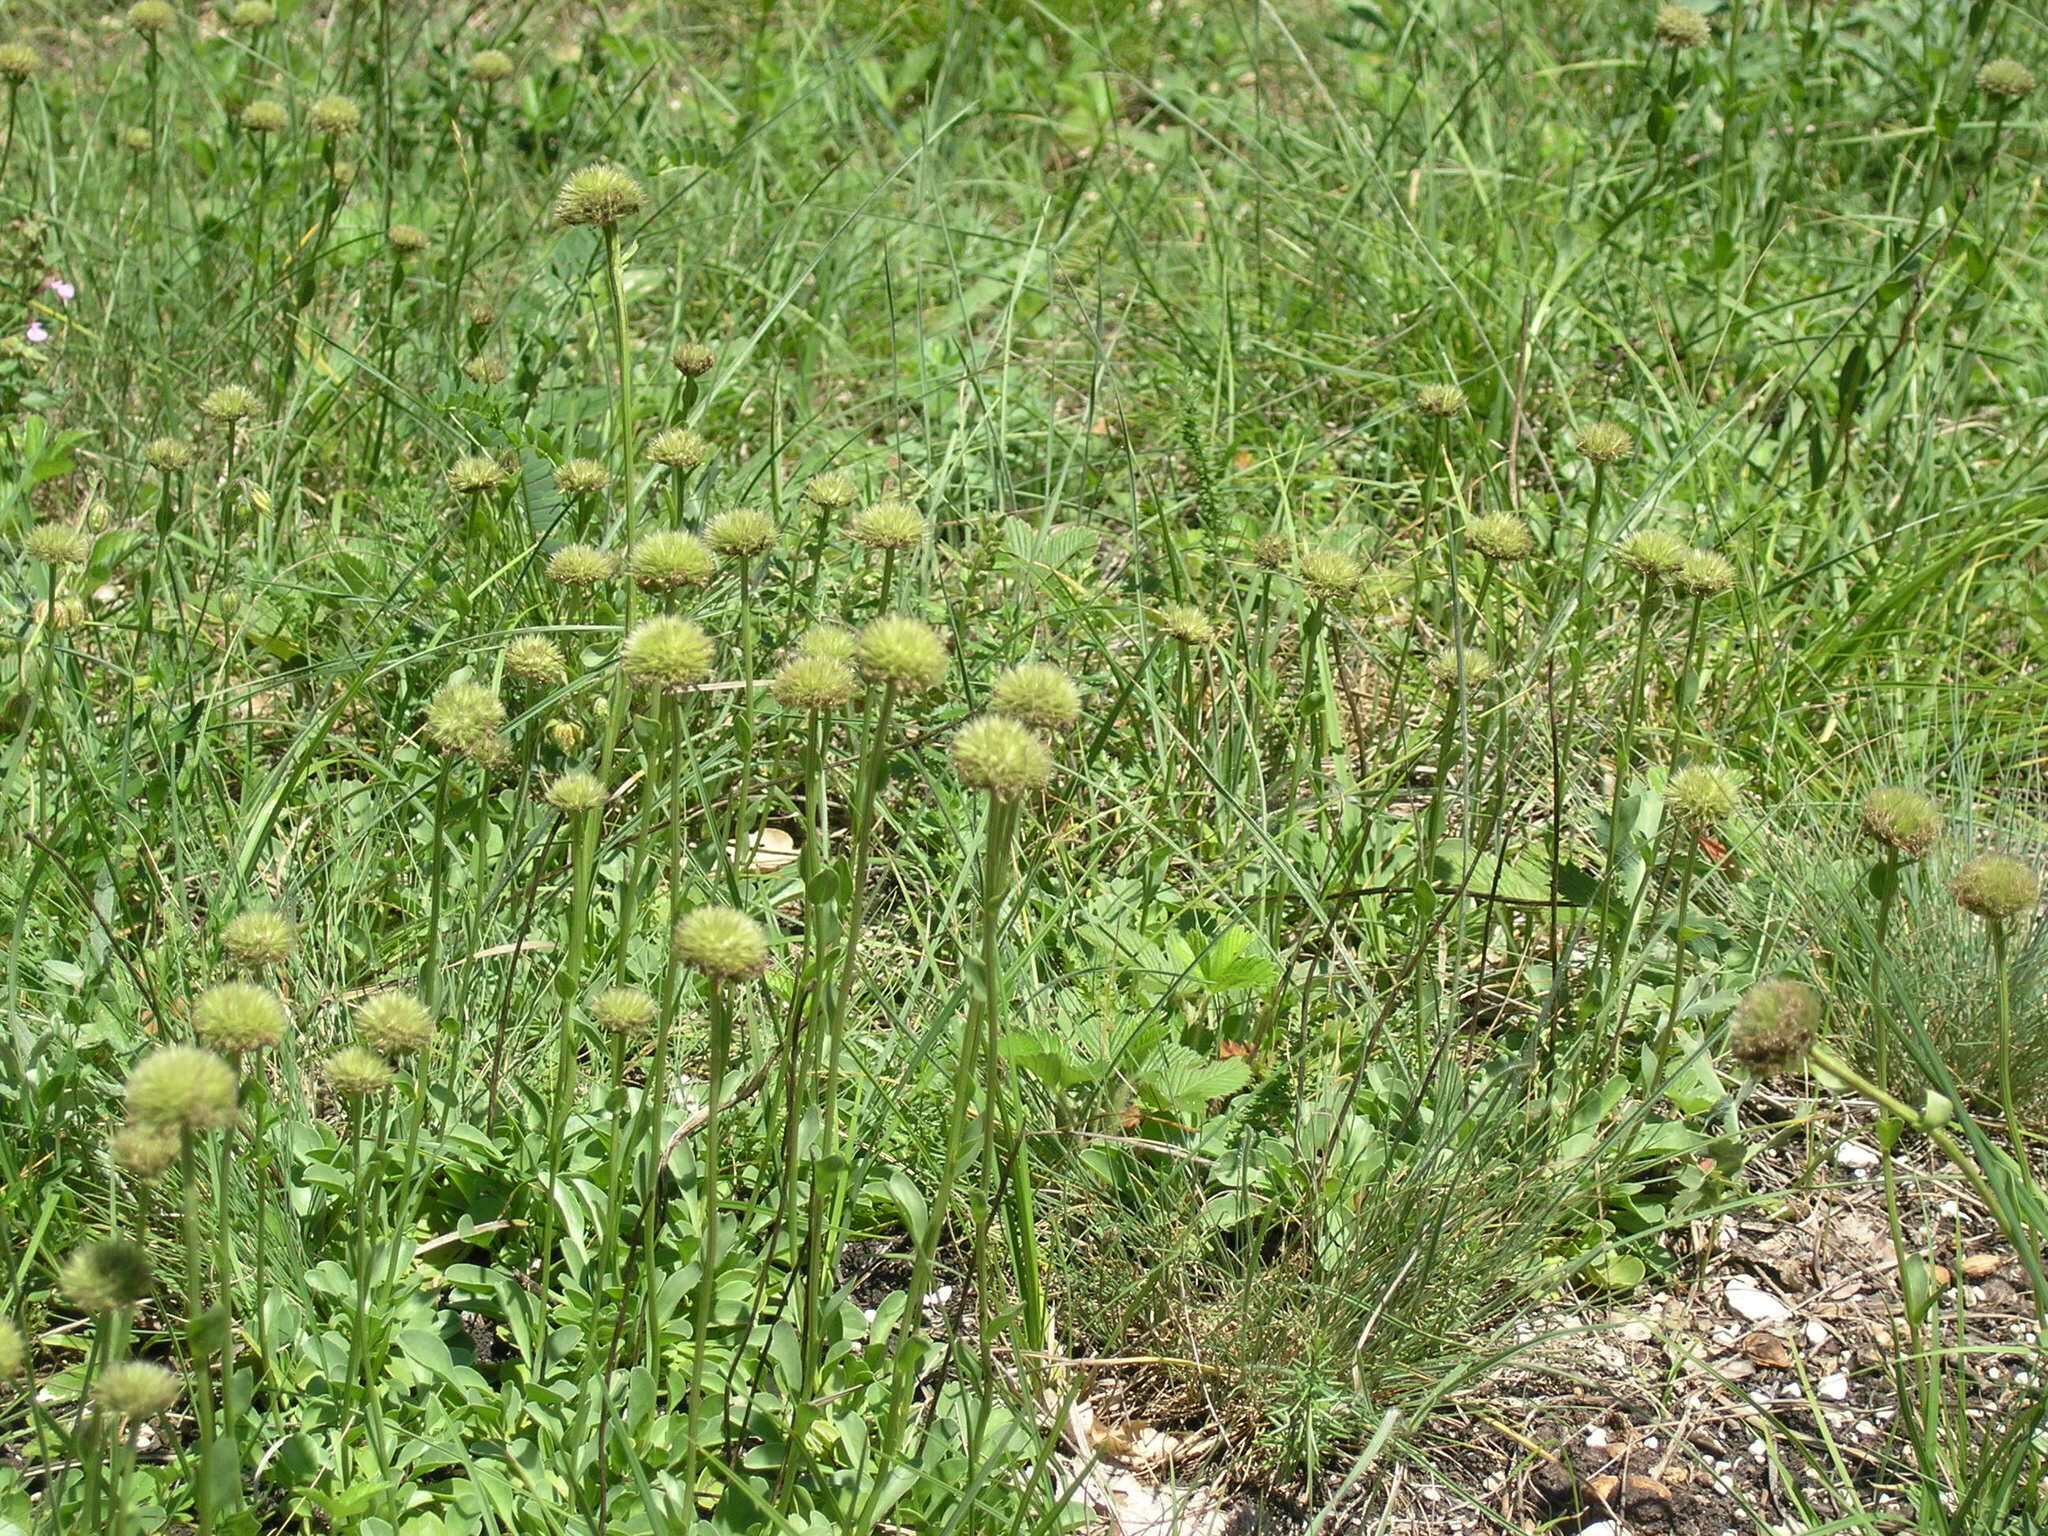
(437, 883)
(2014, 1129)
(196, 1325)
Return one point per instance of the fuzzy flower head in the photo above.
(1774, 1026)
(666, 655)
(599, 195)
(721, 944)
(1680, 26)
(57, 544)
(1441, 402)
(253, 15)
(1455, 668)
(901, 653)
(168, 455)
(490, 66)
(576, 793)
(2006, 79)
(229, 404)
(477, 474)
(1188, 625)
(1604, 442)
(1701, 797)
(143, 1151)
(535, 661)
(464, 717)
(182, 1087)
(152, 16)
(740, 534)
(394, 1024)
(238, 1016)
(1001, 757)
(259, 940)
(831, 490)
(667, 559)
(17, 62)
(565, 736)
(334, 117)
(1703, 574)
(579, 565)
(405, 240)
(1330, 575)
(1272, 552)
(582, 477)
(356, 1072)
(692, 359)
(263, 116)
(1996, 888)
(135, 1389)
(1501, 537)
(626, 1012)
(137, 140)
(828, 639)
(1656, 554)
(813, 684)
(1037, 694)
(107, 1276)
(891, 523)
(1902, 820)
(678, 449)
(484, 372)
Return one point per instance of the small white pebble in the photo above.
(1649, 1442)
(1950, 1209)
(1856, 1157)
(1835, 1388)
(1816, 1333)
(1596, 1438)
(1756, 1449)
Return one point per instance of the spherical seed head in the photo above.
(721, 944)
(463, 717)
(1680, 26)
(578, 565)
(536, 661)
(566, 736)
(394, 1024)
(1903, 820)
(666, 559)
(2007, 79)
(152, 16)
(891, 523)
(1455, 667)
(356, 1072)
(582, 477)
(260, 940)
(253, 14)
(814, 683)
(67, 613)
(135, 1389)
(136, 139)
(831, 490)
(57, 544)
(484, 371)
(740, 534)
(265, 117)
(1702, 573)
(666, 654)
(1774, 1026)
(343, 174)
(1037, 694)
(1603, 442)
(475, 474)
(576, 793)
(406, 239)
(1441, 401)
(1655, 553)
(1702, 796)
(13, 1350)
(1330, 575)
(679, 449)
(18, 61)
(182, 1087)
(1996, 888)
(238, 1016)
(481, 315)
(1272, 552)
(106, 1276)
(334, 117)
(1190, 626)
(143, 1151)
(693, 359)
(230, 403)
(833, 640)
(490, 66)
(624, 1011)
(902, 653)
(1500, 536)
(1001, 756)
(168, 455)
(599, 194)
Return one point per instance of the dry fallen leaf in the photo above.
(772, 848)
(1767, 1349)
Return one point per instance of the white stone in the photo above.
(1856, 1157)
(1600, 1528)
(1596, 1438)
(1816, 1333)
(1747, 1300)
(1835, 1387)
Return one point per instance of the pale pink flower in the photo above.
(65, 291)
(36, 333)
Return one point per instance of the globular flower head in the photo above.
(1703, 574)
(579, 565)
(238, 1016)
(464, 717)
(901, 653)
(667, 559)
(1037, 694)
(666, 654)
(1680, 26)
(536, 661)
(484, 372)
(142, 1150)
(1654, 553)
(624, 1011)
(57, 544)
(2006, 79)
(405, 239)
(1441, 401)
(230, 403)
(1458, 667)
(809, 683)
(692, 359)
(18, 61)
(576, 793)
(253, 15)
(1272, 552)
(135, 1389)
(1996, 888)
(357, 1072)
(67, 613)
(394, 1024)
(1774, 1026)
(481, 315)
(1330, 575)
(1500, 537)
(265, 116)
(13, 1350)
(1604, 442)
(740, 534)
(600, 195)
(1188, 625)
(168, 455)
(152, 16)
(476, 474)
(679, 449)
(137, 140)
(582, 477)
(721, 943)
(106, 1276)
(831, 490)
(833, 640)
(1702, 796)
(1902, 820)
(259, 940)
(490, 66)
(334, 117)
(891, 523)
(1001, 756)
(566, 736)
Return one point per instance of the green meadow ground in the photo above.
(1506, 484)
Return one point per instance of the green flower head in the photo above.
(721, 943)
(1001, 757)
(237, 1016)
